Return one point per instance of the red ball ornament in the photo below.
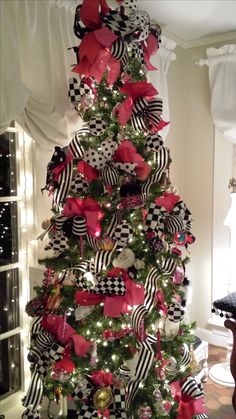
(180, 238)
(62, 370)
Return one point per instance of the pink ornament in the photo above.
(167, 405)
(178, 276)
(145, 412)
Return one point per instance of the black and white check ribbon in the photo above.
(78, 89)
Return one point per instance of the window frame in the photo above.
(25, 190)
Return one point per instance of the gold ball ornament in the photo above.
(45, 224)
(102, 398)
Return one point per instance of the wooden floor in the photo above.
(218, 398)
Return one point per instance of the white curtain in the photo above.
(158, 78)
(222, 76)
(36, 64)
(35, 67)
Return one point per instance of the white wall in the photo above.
(191, 141)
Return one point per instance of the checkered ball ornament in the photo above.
(97, 126)
(123, 233)
(175, 312)
(30, 414)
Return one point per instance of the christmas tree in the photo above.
(108, 327)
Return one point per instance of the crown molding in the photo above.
(223, 37)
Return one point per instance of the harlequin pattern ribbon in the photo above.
(88, 410)
(47, 351)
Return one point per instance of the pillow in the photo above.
(226, 304)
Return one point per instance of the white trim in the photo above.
(223, 37)
(216, 336)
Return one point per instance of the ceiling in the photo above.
(192, 22)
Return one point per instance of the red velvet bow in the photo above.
(188, 407)
(167, 200)
(90, 13)
(95, 57)
(134, 91)
(102, 378)
(87, 208)
(114, 306)
(127, 153)
(150, 47)
(65, 333)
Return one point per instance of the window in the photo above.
(223, 166)
(16, 220)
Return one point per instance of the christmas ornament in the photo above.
(171, 365)
(125, 259)
(97, 126)
(175, 312)
(168, 329)
(180, 238)
(83, 311)
(130, 193)
(102, 398)
(178, 276)
(106, 243)
(58, 393)
(145, 412)
(36, 306)
(123, 233)
(156, 245)
(62, 370)
(31, 414)
(33, 357)
(46, 224)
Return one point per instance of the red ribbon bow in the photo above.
(160, 298)
(102, 378)
(114, 306)
(64, 333)
(188, 407)
(87, 208)
(127, 153)
(134, 91)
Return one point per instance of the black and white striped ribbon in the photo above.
(186, 357)
(75, 146)
(173, 224)
(145, 359)
(168, 266)
(64, 180)
(162, 160)
(192, 388)
(118, 49)
(34, 394)
(146, 110)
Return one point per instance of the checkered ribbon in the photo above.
(58, 243)
(105, 286)
(146, 113)
(161, 221)
(118, 23)
(47, 354)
